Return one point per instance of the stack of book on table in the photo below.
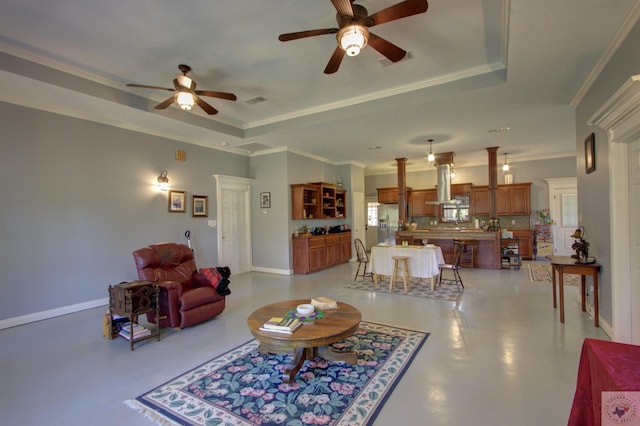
(138, 331)
(281, 325)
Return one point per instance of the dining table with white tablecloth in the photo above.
(423, 261)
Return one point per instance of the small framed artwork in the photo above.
(200, 206)
(265, 200)
(177, 201)
(590, 153)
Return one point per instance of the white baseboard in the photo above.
(52, 313)
(272, 270)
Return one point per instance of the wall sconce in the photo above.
(163, 181)
(431, 158)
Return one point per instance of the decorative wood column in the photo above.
(493, 181)
(402, 189)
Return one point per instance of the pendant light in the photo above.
(431, 157)
(505, 166)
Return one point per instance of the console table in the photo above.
(567, 265)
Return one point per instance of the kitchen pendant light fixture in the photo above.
(431, 158)
(453, 172)
(505, 166)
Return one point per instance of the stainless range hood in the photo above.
(443, 173)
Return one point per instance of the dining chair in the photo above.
(454, 267)
(363, 259)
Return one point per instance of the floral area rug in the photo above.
(419, 288)
(542, 273)
(244, 386)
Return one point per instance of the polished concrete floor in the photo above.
(498, 357)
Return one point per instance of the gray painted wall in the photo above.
(593, 188)
(79, 197)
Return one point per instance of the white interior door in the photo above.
(234, 223)
(563, 203)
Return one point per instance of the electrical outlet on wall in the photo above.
(513, 221)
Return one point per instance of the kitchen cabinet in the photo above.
(461, 189)
(525, 237)
(312, 253)
(305, 201)
(418, 200)
(390, 195)
(511, 200)
(345, 246)
(480, 201)
(318, 200)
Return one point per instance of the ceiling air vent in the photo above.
(385, 62)
(256, 100)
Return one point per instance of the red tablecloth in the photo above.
(604, 366)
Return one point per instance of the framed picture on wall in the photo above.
(265, 200)
(177, 201)
(200, 206)
(590, 153)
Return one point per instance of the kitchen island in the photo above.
(487, 251)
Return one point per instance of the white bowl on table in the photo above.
(305, 309)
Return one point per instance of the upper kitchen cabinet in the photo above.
(461, 189)
(389, 195)
(519, 197)
(419, 200)
(480, 201)
(511, 200)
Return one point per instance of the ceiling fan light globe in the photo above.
(185, 100)
(352, 39)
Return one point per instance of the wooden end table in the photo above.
(567, 265)
(308, 341)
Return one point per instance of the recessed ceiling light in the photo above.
(501, 129)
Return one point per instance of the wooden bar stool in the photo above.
(398, 262)
(468, 258)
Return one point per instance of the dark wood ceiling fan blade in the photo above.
(335, 61)
(305, 34)
(388, 49)
(343, 7)
(205, 106)
(144, 86)
(398, 11)
(165, 103)
(221, 95)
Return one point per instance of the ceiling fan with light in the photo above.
(353, 33)
(185, 93)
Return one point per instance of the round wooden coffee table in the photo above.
(308, 341)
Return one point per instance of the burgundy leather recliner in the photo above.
(186, 296)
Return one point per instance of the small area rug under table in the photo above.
(244, 386)
(419, 288)
(542, 273)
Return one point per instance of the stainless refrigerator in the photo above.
(387, 223)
